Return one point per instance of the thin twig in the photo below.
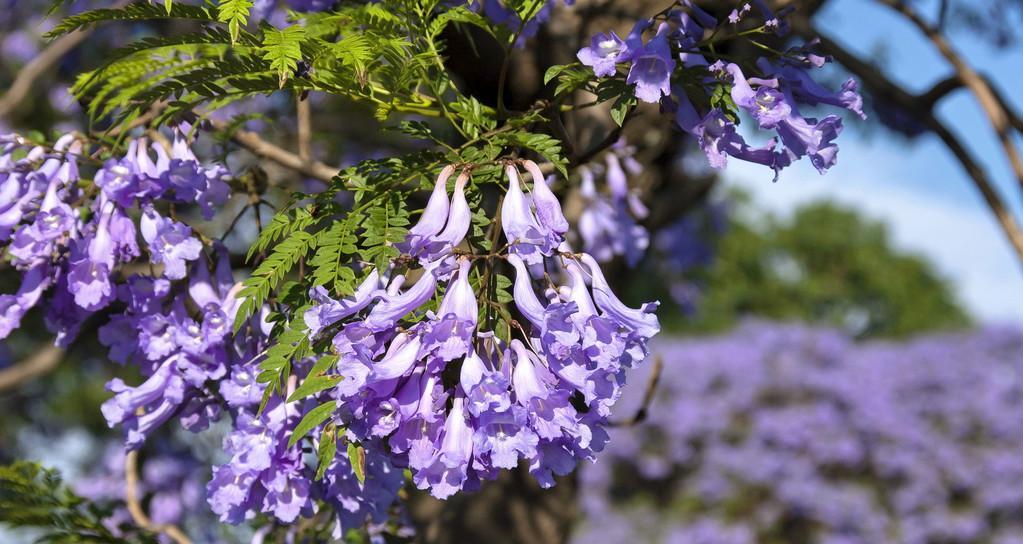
(305, 128)
(41, 363)
(648, 396)
(131, 497)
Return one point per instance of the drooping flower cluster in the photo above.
(782, 432)
(73, 256)
(771, 97)
(447, 397)
(607, 225)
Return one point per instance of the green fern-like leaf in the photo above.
(283, 49)
(271, 271)
(139, 11)
(235, 13)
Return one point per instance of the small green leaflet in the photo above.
(283, 49)
(235, 13)
(315, 381)
(327, 450)
(315, 416)
(357, 457)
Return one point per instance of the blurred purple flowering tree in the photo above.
(784, 433)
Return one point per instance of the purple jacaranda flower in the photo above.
(706, 20)
(525, 235)
(442, 226)
(399, 359)
(719, 139)
(530, 380)
(548, 209)
(434, 215)
(504, 437)
(525, 298)
(652, 67)
(170, 243)
(450, 335)
(446, 471)
(112, 240)
(458, 221)
(814, 138)
(328, 311)
(14, 307)
(766, 104)
(392, 307)
(54, 224)
(135, 176)
(805, 89)
(141, 409)
(642, 321)
(602, 53)
(190, 180)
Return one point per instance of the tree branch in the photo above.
(131, 497)
(885, 88)
(997, 115)
(23, 81)
(266, 150)
(305, 128)
(39, 364)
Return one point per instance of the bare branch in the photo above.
(131, 497)
(986, 96)
(39, 364)
(873, 79)
(266, 150)
(27, 76)
(305, 128)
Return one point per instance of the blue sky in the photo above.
(916, 186)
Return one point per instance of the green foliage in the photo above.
(317, 380)
(35, 497)
(327, 450)
(138, 11)
(271, 271)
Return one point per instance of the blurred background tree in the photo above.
(826, 264)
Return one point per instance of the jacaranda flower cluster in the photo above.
(769, 92)
(440, 393)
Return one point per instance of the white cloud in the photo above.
(959, 236)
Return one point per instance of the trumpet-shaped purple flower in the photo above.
(529, 236)
(170, 243)
(652, 67)
(602, 53)
(442, 226)
(433, 218)
(328, 311)
(14, 307)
